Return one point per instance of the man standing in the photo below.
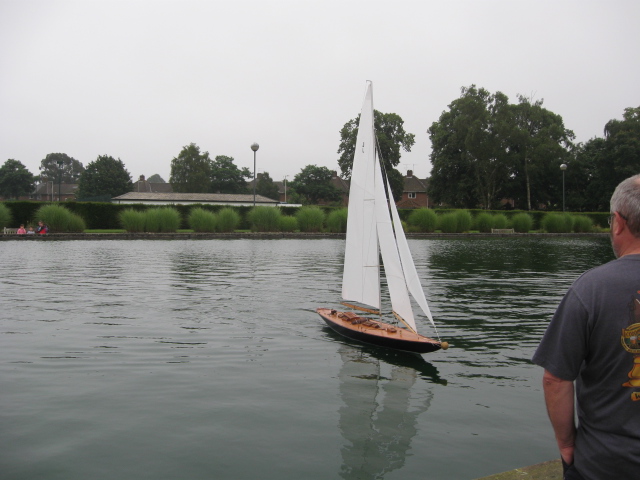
(593, 340)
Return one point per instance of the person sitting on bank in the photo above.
(30, 231)
(21, 230)
(42, 228)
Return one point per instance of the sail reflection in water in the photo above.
(378, 420)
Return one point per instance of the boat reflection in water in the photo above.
(379, 415)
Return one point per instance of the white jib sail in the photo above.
(400, 301)
(408, 267)
(361, 277)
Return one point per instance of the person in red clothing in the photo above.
(42, 228)
(21, 230)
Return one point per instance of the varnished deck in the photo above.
(375, 332)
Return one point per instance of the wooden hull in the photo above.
(378, 333)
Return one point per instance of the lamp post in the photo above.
(255, 148)
(563, 167)
(60, 163)
(285, 188)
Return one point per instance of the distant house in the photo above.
(342, 186)
(414, 194)
(48, 191)
(142, 185)
(282, 190)
(158, 198)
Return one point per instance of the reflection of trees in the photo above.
(377, 420)
(490, 292)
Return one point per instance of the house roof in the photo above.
(408, 203)
(146, 186)
(340, 183)
(177, 198)
(414, 184)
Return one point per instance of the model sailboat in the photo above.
(374, 229)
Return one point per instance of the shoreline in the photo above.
(551, 470)
(265, 236)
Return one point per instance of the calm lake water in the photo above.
(205, 359)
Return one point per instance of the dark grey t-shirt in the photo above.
(594, 339)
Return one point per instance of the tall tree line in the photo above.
(485, 149)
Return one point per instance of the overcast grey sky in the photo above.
(140, 79)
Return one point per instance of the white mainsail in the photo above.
(374, 228)
(361, 277)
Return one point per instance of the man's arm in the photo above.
(558, 395)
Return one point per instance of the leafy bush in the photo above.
(557, 223)
(228, 220)
(464, 220)
(5, 216)
(484, 222)
(500, 220)
(164, 219)
(448, 222)
(288, 223)
(171, 219)
(310, 219)
(201, 220)
(522, 222)
(423, 220)
(152, 220)
(264, 219)
(132, 220)
(76, 223)
(337, 221)
(582, 224)
(59, 219)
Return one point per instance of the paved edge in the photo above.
(551, 470)
(266, 235)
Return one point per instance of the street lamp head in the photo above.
(255, 147)
(563, 166)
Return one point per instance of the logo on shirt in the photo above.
(630, 340)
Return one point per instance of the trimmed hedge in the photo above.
(104, 215)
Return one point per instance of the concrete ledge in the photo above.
(551, 470)
(265, 235)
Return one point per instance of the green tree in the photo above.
(226, 177)
(469, 154)
(191, 171)
(15, 179)
(585, 182)
(266, 187)
(314, 184)
(390, 135)
(155, 178)
(602, 163)
(396, 179)
(539, 143)
(623, 146)
(50, 170)
(104, 176)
